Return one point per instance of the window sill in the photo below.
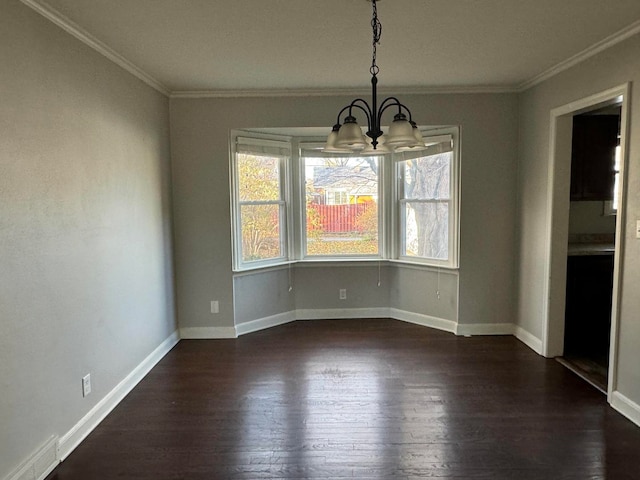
(351, 262)
(425, 266)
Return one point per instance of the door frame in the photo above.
(557, 225)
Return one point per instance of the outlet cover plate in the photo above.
(86, 385)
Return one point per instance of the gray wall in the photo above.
(200, 157)
(317, 287)
(85, 242)
(587, 217)
(415, 290)
(263, 293)
(608, 69)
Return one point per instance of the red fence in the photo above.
(339, 218)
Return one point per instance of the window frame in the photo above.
(307, 144)
(284, 202)
(610, 207)
(398, 220)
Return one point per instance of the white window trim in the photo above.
(302, 217)
(452, 261)
(284, 201)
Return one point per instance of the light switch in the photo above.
(637, 228)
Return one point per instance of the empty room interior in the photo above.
(275, 240)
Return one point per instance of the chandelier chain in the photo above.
(377, 32)
(348, 137)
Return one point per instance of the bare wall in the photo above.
(200, 157)
(86, 284)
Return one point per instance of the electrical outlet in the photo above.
(343, 294)
(215, 306)
(86, 385)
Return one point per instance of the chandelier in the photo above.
(348, 137)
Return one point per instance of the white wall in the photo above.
(608, 69)
(85, 232)
(200, 157)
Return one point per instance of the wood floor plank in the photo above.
(365, 399)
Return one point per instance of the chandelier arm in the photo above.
(396, 103)
(367, 111)
(341, 112)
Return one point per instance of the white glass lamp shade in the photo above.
(350, 135)
(380, 149)
(400, 132)
(330, 146)
(418, 142)
(418, 135)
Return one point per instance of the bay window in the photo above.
(293, 202)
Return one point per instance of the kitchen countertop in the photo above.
(584, 249)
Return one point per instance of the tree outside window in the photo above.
(424, 206)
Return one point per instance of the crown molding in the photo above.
(85, 37)
(587, 53)
(333, 92)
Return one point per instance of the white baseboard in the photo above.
(341, 313)
(199, 333)
(626, 407)
(530, 340)
(90, 421)
(424, 320)
(376, 312)
(346, 313)
(40, 464)
(485, 329)
(266, 322)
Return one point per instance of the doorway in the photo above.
(561, 273)
(595, 166)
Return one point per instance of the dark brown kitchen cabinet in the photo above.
(588, 306)
(593, 147)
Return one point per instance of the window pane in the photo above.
(426, 229)
(260, 232)
(616, 178)
(428, 177)
(425, 194)
(342, 206)
(258, 177)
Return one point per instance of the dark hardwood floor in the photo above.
(363, 399)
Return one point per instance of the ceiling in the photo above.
(235, 46)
